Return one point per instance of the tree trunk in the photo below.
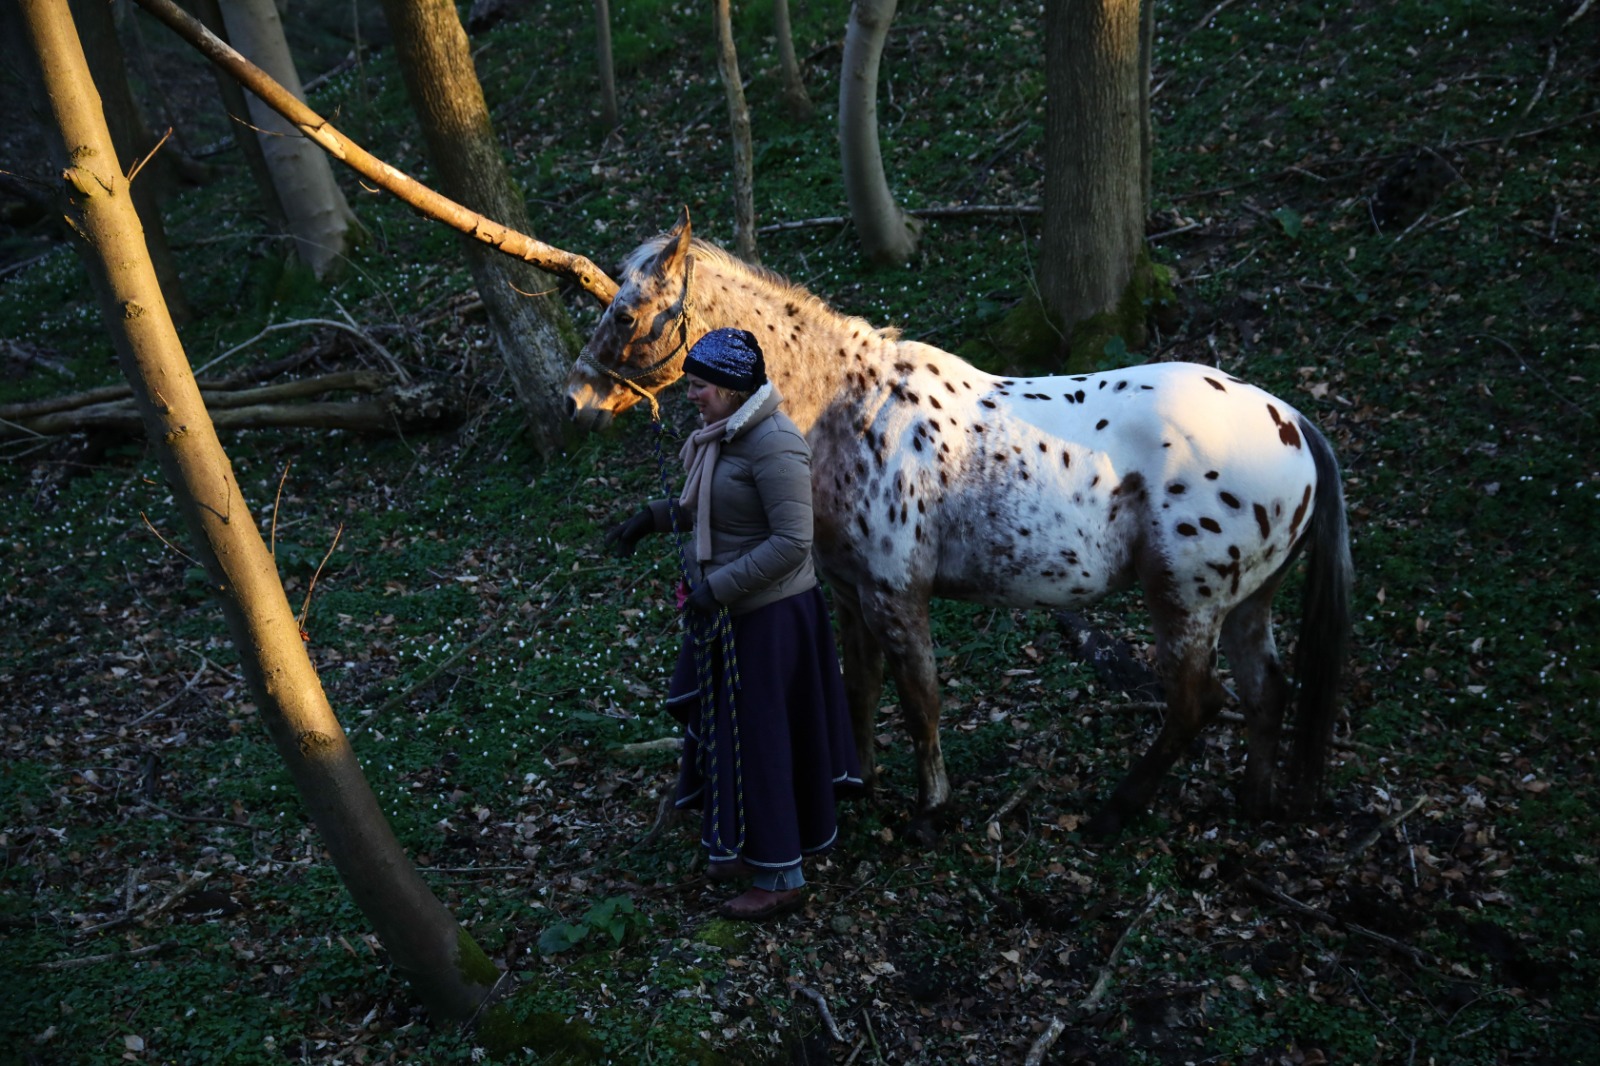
(237, 108)
(534, 335)
(422, 199)
(888, 235)
(794, 86)
(744, 200)
(1094, 175)
(602, 58)
(315, 208)
(446, 968)
(132, 140)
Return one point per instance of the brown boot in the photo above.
(759, 903)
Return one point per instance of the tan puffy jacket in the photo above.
(760, 511)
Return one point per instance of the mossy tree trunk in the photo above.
(1093, 276)
(446, 968)
(744, 197)
(888, 235)
(533, 333)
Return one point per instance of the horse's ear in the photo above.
(670, 260)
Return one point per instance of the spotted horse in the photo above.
(933, 478)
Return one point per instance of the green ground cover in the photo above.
(488, 658)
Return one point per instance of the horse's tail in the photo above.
(1324, 626)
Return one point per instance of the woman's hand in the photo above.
(701, 600)
(623, 537)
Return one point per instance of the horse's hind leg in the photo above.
(863, 677)
(1194, 696)
(901, 624)
(1264, 692)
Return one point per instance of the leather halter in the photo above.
(629, 377)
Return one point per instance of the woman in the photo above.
(757, 685)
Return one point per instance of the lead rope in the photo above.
(706, 635)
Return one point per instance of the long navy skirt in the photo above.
(765, 767)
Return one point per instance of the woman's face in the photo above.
(713, 403)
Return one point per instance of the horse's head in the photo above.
(639, 346)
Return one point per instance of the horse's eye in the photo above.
(622, 318)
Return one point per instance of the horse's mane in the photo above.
(704, 251)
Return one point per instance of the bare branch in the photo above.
(589, 277)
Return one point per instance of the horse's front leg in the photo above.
(863, 678)
(900, 623)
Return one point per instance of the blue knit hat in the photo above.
(730, 358)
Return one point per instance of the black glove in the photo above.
(701, 600)
(623, 537)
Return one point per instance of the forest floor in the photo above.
(1385, 213)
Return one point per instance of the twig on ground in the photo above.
(1557, 393)
(1583, 9)
(951, 211)
(1205, 20)
(298, 323)
(1417, 955)
(866, 1022)
(1102, 985)
(1015, 800)
(642, 747)
(1544, 82)
(147, 913)
(822, 1008)
(1383, 827)
(664, 810)
(90, 960)
(1047, 1039)
(201, 819)
(205, 664)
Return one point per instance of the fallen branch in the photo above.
(952, 211)
(275, 327)
(1417, 955)
(822, 1008)
(1383, 827)
(201, 819)
(1102, 984)
(644, 747)
(90, 960)
(390, 407)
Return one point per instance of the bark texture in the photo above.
(888, 235)
(237, 108)
(602, 61)
(744, 199)
(534, 335)
(1094, 160)
(314, 207)
(447, 969)
(134, 142)
(794, 86)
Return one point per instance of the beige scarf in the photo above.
(699, 455)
